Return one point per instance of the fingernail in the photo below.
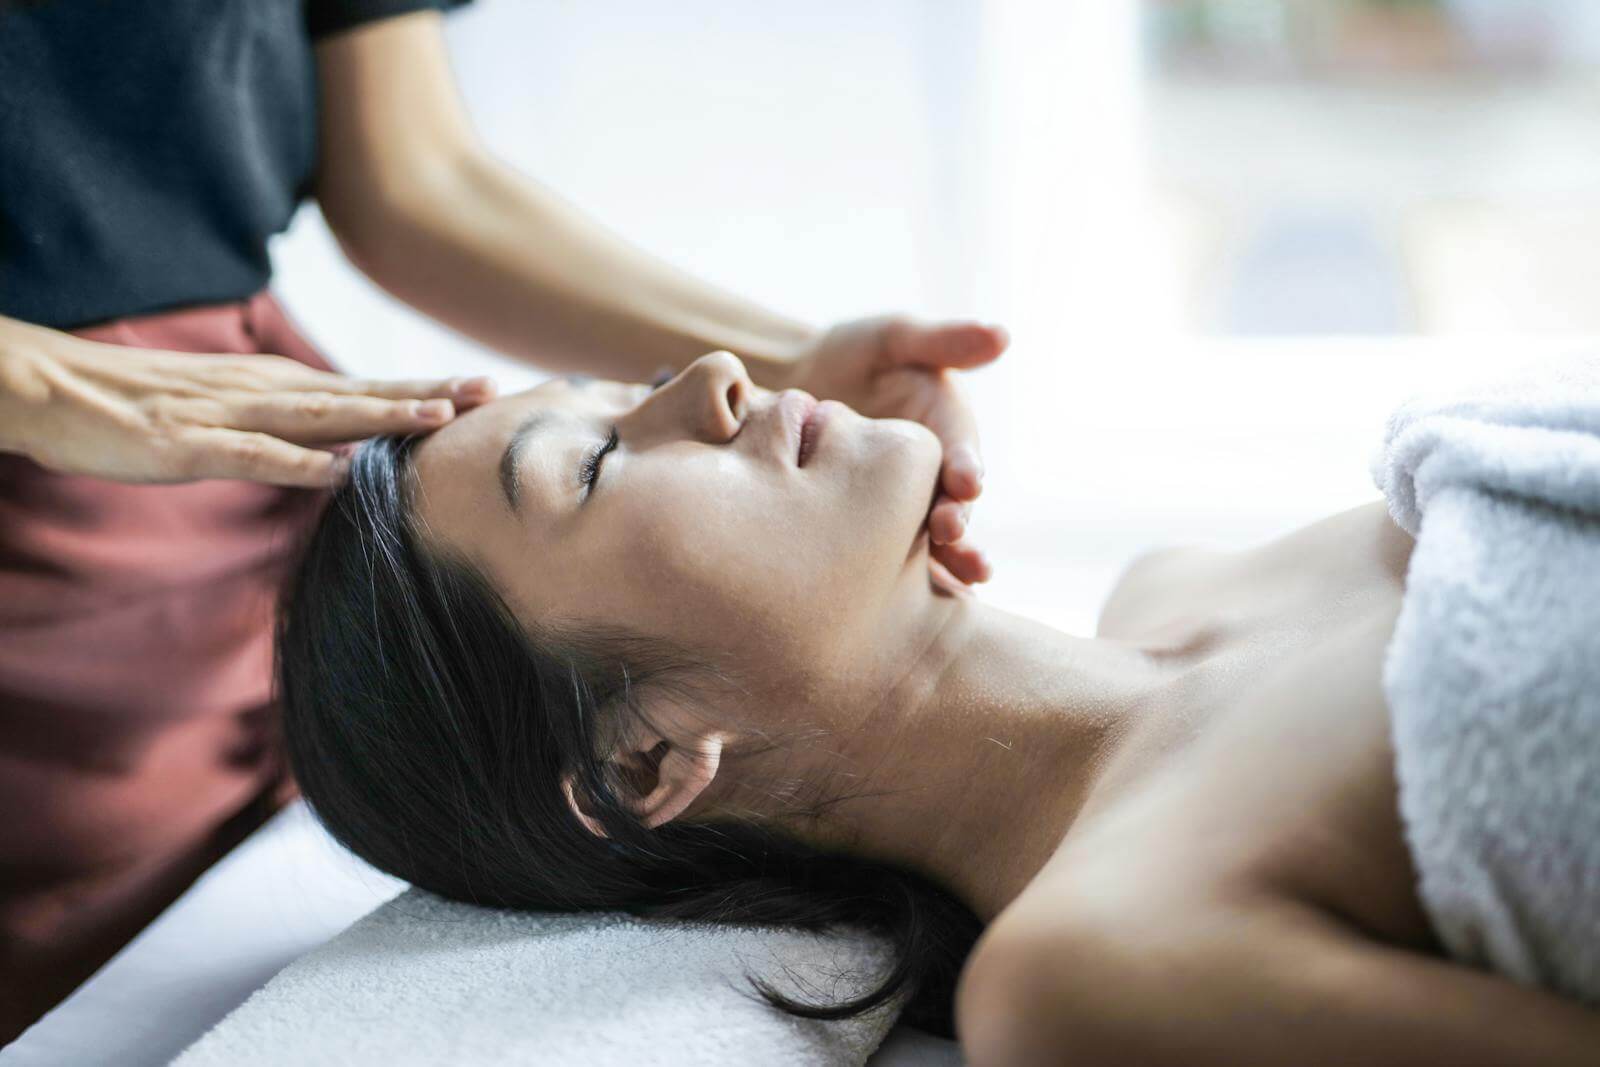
(435, 409)
(974, 466)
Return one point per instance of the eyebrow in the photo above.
(509, 467)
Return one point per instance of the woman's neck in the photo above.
(980, 743)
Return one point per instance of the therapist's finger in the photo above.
(942, 579)
(956, 345)
(218, 452)
(947, 520)
(462, 392)
(964, 560)
(962, 473)
(318, 417)
(950, 418)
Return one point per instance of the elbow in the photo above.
(360, 243)
(377, 211)
(363, 223)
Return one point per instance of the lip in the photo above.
(794, 408)
(811, 431)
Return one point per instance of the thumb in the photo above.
(956, 345)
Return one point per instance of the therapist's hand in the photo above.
(895, 367)
(146, 415)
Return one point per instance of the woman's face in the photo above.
(700, 525)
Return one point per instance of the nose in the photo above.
(710, 396)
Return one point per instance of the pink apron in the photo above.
(138, 735)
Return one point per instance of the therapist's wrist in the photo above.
(781, 360)
(24, 387)
(776, 355)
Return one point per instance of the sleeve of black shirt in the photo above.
(330, 16)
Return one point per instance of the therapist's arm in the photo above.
(421, 207)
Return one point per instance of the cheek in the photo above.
(730, 558)
(708, 552)
(730, 564)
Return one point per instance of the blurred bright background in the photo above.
(1227, 235)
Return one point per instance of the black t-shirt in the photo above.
(148, 149)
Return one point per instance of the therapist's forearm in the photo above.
(508, 262)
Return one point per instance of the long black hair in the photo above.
(429, 732)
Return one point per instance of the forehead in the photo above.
(457, 467)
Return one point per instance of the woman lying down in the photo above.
(598, 646)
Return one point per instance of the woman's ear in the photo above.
(682, 773)
(662, 778)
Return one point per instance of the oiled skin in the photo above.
(1286, 773)
(1237, 889)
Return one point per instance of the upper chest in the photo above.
(1271, 768)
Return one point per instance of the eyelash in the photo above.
(591, 466)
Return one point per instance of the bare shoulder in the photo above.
(1063, 967)
(1174, 589)
(1278, 819)
(1143, 596)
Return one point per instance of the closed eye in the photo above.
(590, 471)
(591, 466)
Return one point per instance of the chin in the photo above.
(906, 475)
(905, 442)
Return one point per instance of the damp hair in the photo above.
(429, 732)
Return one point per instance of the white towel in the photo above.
(1493, 674)
(427, 981)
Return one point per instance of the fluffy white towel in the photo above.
(1493, 673)
(427, 981)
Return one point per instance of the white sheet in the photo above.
(281, 892)
(424, 981)
(285, 890)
